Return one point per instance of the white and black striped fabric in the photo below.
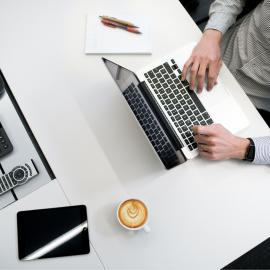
(246, 52)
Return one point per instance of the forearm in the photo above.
(223, 14)
(213, 35)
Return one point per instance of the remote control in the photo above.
(18, 176)
(5, 144)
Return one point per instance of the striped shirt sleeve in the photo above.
(262, 150)
(223, 14)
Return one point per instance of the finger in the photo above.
(203, 139)
(201, 76)
(220, 66)
(205, 148)
(207, 155)
(186, 68)
(205, 130)
(212, 75)
(193, 74)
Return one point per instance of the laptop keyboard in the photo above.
(152, 129)
(180, 103)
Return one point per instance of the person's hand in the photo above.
(205, 58)
(217, 143)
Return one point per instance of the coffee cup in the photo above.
(132, 214)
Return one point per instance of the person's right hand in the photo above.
(205, 58)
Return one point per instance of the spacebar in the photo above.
(196, 100)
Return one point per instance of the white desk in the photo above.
(202, 214)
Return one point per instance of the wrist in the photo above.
(240, 148)
(213, 35)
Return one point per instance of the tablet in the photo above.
(52, 232)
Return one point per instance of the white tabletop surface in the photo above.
(203, 214)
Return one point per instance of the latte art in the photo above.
(133, 213)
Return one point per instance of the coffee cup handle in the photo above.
(147, 229)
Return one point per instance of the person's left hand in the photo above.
(217, 143)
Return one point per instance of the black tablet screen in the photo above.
(52, 232)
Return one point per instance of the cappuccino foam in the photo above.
(133, 213)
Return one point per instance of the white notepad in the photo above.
(101, 39)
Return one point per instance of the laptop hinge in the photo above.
(163, 121)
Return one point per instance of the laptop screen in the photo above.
(122, 76)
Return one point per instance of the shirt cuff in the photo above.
(220, 21)
(262, 150)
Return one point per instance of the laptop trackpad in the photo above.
(213, 97)
(229, 114)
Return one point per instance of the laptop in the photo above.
(166, 108)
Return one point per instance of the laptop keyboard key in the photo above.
(189, 102)
(178, 117)
(188, 123)
(163, 71)
(181, 111)
(168, 68)
(192, 118)
(185, 83)
(209, 121)
(181, 123)
(185, 117)
(194, 145)
(151, 74)
(168, 91)
(189, 112)
(176, 92)
(161, 91)
(205, 115)
(162, 80)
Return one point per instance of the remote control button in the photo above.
(2, 186)
(14, 182)
(19, 174)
